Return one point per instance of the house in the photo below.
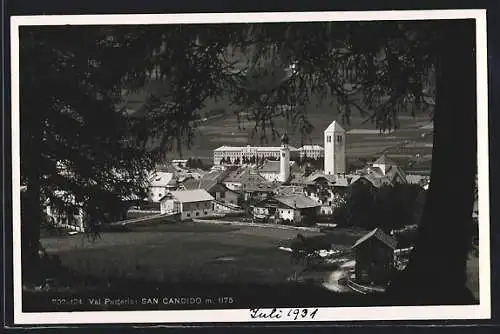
(159, 184)
(294, 209)
(278, 171)
(258, 190)
(374, 253)
(381, 172)
(240, 178)
(327, 190)
(189, 204)
(270, 170)
(211, 182)
(225, 208)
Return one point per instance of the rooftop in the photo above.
(335, 127)
(161, 179)
(270, 167)
(380, 235)
(260, 187)
(190, 196)
(298, 201)
(256, 148)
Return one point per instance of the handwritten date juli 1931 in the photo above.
(284, 314)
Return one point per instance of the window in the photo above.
(328, 139)
(197, 214)
(339, 139)
(188, 214)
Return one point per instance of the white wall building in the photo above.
(335, 156)
(312, 151)
(238, 152)
(197, 203)
(292, 208)
(159, 184)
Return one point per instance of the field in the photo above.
(363, 139)
(196, 259)
(195, 251)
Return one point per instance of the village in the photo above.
(282, 187)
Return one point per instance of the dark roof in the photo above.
(297, 201)
(235, 175)
(270, 167)
(289, 190)
(318, 175)
(377, 170)
(375, 182)
(267, 187)
(394, 172)
(207, 181)
(380, 235)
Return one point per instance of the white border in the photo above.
(481, 311)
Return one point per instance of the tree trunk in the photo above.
(436, 272)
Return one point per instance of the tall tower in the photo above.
(335, 159)
(284, 159)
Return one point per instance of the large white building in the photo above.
(335, 157)
(312, 151)
(238, 152)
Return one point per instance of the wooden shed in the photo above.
(374, 254)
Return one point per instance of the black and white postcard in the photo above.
(250, 167)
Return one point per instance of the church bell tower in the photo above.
(284, 159)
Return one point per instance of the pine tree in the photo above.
(72, 79)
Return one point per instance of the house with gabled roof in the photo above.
(374, 253)
(382, 171)
(294, 209)
(197, 203)
(212, 183)
(159, 184)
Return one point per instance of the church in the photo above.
(278, 171)
(335, 152)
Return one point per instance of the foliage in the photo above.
(70, 83)
(195, 163)
(384, 68)
(406, 236)
(389, 207)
